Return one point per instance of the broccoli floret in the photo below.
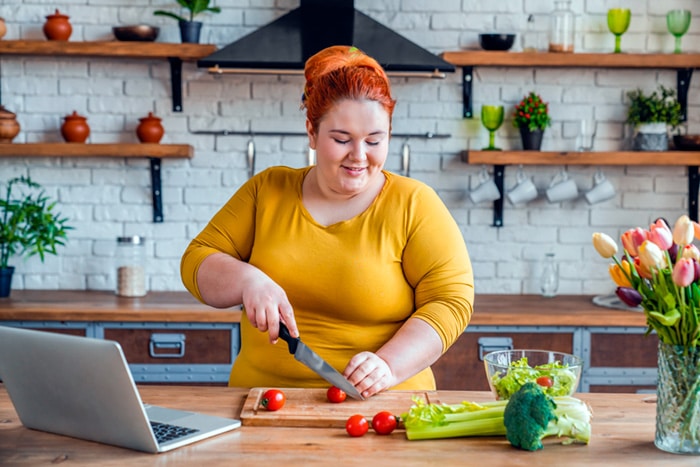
(531, 416)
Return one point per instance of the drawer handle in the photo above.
(168, 342)
(491, 344)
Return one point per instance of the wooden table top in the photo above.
(489, 309)
(623, 434)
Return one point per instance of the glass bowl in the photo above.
(507, 370)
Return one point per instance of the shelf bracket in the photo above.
(683, 76)
(467, 79)
(499, 173)
(693, 187)
(176, 82)
(156, 190)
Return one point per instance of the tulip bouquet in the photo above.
(659, 270)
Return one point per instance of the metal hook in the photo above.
(251, 158)
(406, 159)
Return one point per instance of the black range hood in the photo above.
(284, 45)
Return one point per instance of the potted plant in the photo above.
(531, 117)
(28, 226)
(189, 28)
(652, 115)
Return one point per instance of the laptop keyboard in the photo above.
(165, 432)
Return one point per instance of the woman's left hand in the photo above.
(369, 373)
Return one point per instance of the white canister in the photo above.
(131, 271)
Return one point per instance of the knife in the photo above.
(311, 359)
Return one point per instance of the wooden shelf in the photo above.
(174, 53)
(574, 60)
(154, 152)
(160, 151)
(125, 49)
(685, 158)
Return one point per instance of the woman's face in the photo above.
(351, 146)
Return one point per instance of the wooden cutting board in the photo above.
(311, 408)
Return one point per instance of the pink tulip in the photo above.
(632, 239)
(661, 234)
(683, 272)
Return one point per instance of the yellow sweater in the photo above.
(352, 284)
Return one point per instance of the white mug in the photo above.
(602, 189)
(486, 190)
(523, 191)
(562, 188)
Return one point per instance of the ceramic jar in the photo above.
(57, 27)
(75, 128)
(3, 28)
(150, 129)
(9, 128)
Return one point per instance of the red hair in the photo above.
(342, 72)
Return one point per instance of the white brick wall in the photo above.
(106, 198)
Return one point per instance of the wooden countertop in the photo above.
(623, 434)
(489, 310)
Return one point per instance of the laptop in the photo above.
(82, 387)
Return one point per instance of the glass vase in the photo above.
(678, 399)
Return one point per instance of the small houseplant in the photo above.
(531, 117)
(652, 115)
(28, 226)
(189, 28)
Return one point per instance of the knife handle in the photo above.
(292, 342)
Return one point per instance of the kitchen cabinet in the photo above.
(166, 337)
(684, 64)
(174, 53)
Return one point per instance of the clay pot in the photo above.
(150, 129)
(9, 128)
(3, 28)
(57, 27)
(75, 128)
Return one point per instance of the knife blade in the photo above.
(311, 359)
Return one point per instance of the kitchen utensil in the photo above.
(618, 22)
(492, 119)
(678, 22)
(524, 189)
(602, 190)
(311, 359)
(562, 188)
(75, 128)
(487, 190)
(57, 27)
(496, 41)
(139, 32)
(310, 408)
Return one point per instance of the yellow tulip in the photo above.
(619, 275)
(604, 245)
(691, 252)
(683, 231)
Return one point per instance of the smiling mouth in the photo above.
(354, 169)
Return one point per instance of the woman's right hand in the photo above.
(265, 303)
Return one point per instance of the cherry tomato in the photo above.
(545, 381)
(273, 399)
(336, 395)
(357, 425)
(384, 423)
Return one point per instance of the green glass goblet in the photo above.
(492, 119)
(678, 22)
(618, 22)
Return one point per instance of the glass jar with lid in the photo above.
(131, 271)
(562, 27)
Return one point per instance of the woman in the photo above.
(368, 267)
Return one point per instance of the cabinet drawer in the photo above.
(623, 350)
(461, 367)
(174, 346)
